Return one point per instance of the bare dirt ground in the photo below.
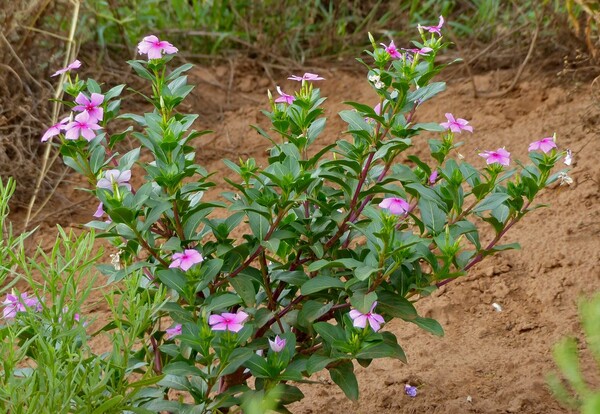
(488, 361)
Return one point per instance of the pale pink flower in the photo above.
(423, 51)
(284, 98)
(395, 205)
(233, 322)
(456, 125)
(359, 320)
(173, 332)
(500, 156)
(90, 106)
(99, 211)
(278, 344)
(187, 259)
(392, 50)
(82, 126)
(544, 144)
(55, 129)
(112, 177)
(306, 77)
(154, 48)
(13, 304)
(71, 66)
(433, 29)
(433, 177)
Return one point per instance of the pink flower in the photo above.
(284, 98)
(173, 332)
(13, 304)
(544, 144)
(187, 259)
(359, 320)
(423, 51)
(395, 205)
(433, 177)
(82, 126)
(99, 211)
(233, 322)
(456, 125)
(433, 29)
(306, 77)
(55, 129)
(392, 50)
(500, 156)
(112, 177)
(71, 66)
(278, 344)
(154, 48)
(90, 106)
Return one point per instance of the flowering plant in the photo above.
(333, 248)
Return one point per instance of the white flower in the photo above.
(564, 178)
(568, 158)
(379, 85)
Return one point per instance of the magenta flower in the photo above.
(410, 391)
(359, 320)
(278, 344)
(55, 129)
(90, 106)
(392, 50)
(173, 332)
(500, 156)
(112, 177)
(544, 144)
(13, 304)
(433, 29)
(71, 66)
(395, 205)
(433, 177)
(284, 98)
(187, 259)
(456, 125)
(82, 126)
(154, 48)
(233, 322)
(306, 77)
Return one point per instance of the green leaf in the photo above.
(329, 332)
(388, 348)
(244, 287)
(289, 394)
(364, 272)
(363, 302)
(320, 283)
(258, 366)
(174, 279)
(395, 305)
(491, 202)
(108, 405)
(312, 310)
(430, 325)
(433, 217)
(183, 368)
(343, 376)
(258, 224)
(223, 301)
(237, 358)
(175, 382)
(355, 121)
(317, 362)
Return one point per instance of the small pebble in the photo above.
(497, 307)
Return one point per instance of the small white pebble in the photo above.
(497, 307)
(469, 399)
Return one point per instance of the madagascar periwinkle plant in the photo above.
(336, 240)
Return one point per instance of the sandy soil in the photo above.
(488, 361)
